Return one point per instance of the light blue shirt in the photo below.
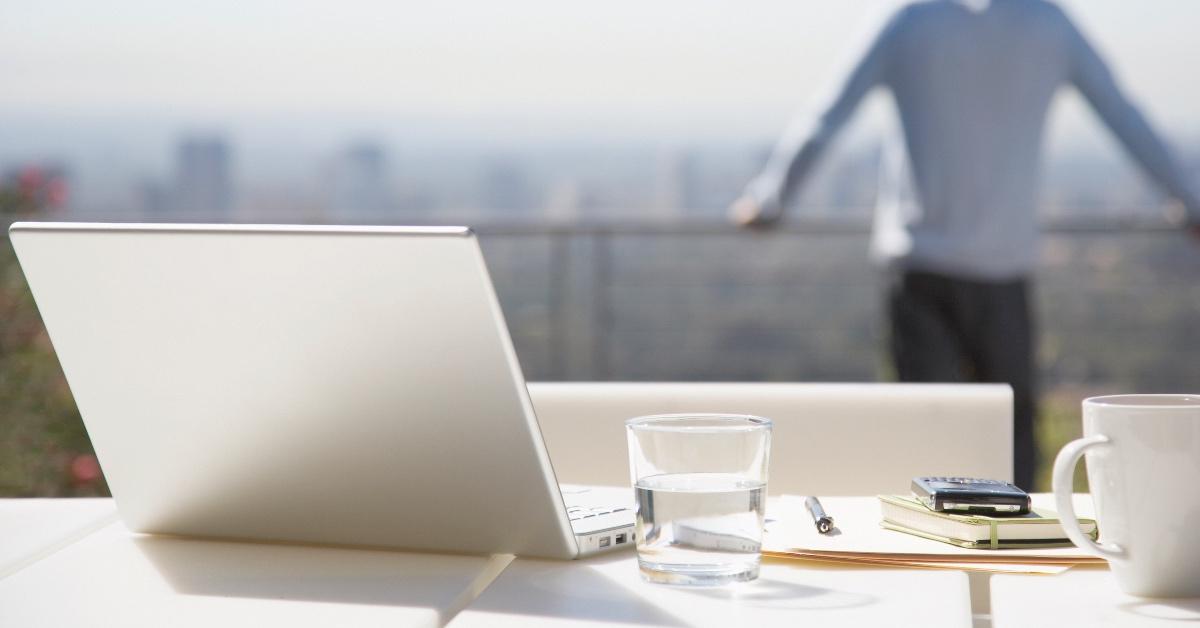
(972, 83)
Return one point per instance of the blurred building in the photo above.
(359, 185)
(845, 186)
(564, 201)
(505, 190)
(152, 196)
(674, 184)
(203, 185)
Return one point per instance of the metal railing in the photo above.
(704, 300)
(598, 330)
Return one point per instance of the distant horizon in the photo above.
(1072, 127)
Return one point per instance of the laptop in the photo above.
(315, 384)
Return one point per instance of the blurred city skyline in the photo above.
(530, 109)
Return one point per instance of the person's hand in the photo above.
(1185, 214)
(746, 212)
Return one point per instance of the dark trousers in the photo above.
(945, 329)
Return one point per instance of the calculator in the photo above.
(971, 495)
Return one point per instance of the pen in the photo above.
(823, 521)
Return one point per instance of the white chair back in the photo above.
(829, 439)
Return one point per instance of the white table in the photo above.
(115, 578)
(31, 529)
(1083, 596)
(608, 591)
(68, 562)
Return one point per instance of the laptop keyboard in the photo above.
(578, 513)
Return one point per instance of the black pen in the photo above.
(823, 521)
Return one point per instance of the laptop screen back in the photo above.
(315, 384)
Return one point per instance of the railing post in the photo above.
(560, 271)
(601, 305)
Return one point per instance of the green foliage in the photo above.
(1058, 423)
(11, 202)
(41, 434)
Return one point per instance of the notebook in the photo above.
(1039, 528)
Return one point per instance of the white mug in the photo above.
(1143, 465)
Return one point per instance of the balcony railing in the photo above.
(1117, 302)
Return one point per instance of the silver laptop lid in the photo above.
(349, 385)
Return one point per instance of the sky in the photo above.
(667, 65)
(108, 88)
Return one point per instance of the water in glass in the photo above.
(699, 528)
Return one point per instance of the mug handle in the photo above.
(1064, 475)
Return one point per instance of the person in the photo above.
(972, 83)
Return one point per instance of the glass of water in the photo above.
(701, 484)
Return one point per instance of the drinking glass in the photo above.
(700, 482)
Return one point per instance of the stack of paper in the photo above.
(858, 538)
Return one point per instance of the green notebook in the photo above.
(1039, 528)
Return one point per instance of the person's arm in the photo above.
(806, 138)
(1092, 77)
